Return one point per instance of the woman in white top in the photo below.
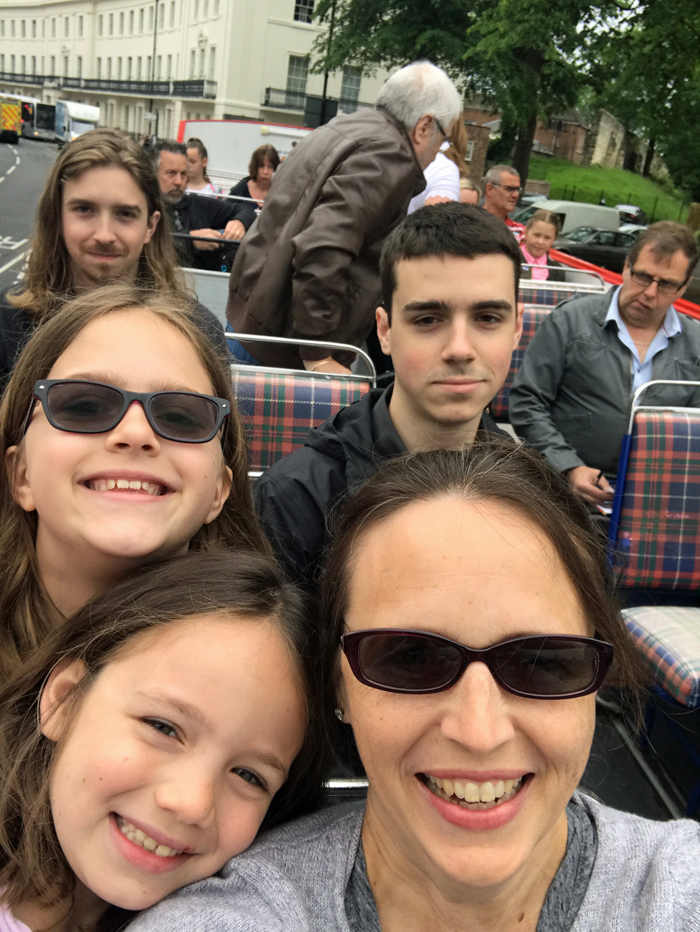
(198, 180)
(444, 172)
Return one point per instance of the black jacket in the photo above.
(555, 275)
(201, 212)
(16, 327)
(294, 498)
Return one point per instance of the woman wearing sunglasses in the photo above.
(469, 627)
(122, 446)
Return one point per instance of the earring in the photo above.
(339, 714)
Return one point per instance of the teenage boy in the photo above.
(449, 320)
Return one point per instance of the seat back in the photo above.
(279, 407)
(211, 289)
(655, 526)
(532, 318)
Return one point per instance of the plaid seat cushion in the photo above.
(669, 641)
(546, 297)
(532, 318)
(279, 410)
(658, 544)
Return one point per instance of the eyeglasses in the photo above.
(83, 407)
(662, 285)
(538, 667)
(439, 126)
(511, 189)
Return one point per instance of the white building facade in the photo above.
(149, 65)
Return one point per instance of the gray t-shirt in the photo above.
(563, 900)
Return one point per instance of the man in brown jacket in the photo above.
(309, 268)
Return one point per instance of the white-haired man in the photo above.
(309, 268)
(501, 196)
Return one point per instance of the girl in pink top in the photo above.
(541, 231)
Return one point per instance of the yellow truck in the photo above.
(10, 119)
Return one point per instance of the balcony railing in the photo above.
(199, 89)
(279, 99)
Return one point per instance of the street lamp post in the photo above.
(153, 60)
(325, 74)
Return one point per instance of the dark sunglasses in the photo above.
(83, 407)
(549, 666)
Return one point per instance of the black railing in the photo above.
(200, 88)
(279, 99)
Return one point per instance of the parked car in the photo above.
(574, 214)
(607, 248)
(631, 214)
(527, 200)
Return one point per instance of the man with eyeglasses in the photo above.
(571, 397)
(501, 196)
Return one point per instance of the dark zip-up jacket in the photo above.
(572, 396)
(295, 497)
(201, 212)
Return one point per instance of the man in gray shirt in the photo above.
(572, 395)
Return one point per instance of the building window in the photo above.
(196, 9)
(12, 64)
(161, 16)
(53, 28)
(212, 63)
(141, 20)
(33, 64)
(205, 11)
(169, 73)
(119, 69)
(350, 88)
(129, 63)
(202, 59)
(469, 154)
(2, 28)
(109, 69)
(53, 64)
(99, 68)
(149, 73)
(111, 24)
(2, 62)
(192, 63)
(216, 7)
(24, 29)
(131, 22)
(150, 19)
(100, 24)
(24, 65)
(303, 10)
(159, 67)
(121, 24)
(80, 26)
(296, 74)
(33, 29)
(43, 31)
(79, 66)
(172, 15)
(138, 68)
(66, 27)
(65, 66)
(12, 28)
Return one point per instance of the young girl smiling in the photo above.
(142, 745)
(122, 445)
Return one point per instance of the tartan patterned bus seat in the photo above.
(279, 409)
(532, 318)
(546, 297)
(658, 538)
(668, 638)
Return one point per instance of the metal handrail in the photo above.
(642, 388)
(316, 344)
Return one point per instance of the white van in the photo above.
(575, 214)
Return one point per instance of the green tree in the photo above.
(523, 56)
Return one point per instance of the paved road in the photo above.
(23, 170)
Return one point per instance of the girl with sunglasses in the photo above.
(467, 626)
(121, 445)
(146, 740)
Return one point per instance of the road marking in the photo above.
(10, 170)
(8, 243)
(12, 262)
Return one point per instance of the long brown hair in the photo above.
(194, 143)
(33, 867)
(257, 160)
(457, 149)
(48, 280)
(26, 613)
(492, 469)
